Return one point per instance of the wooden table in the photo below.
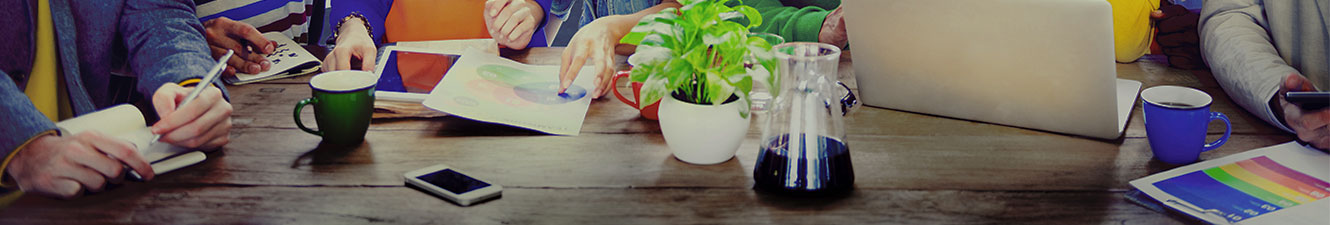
(910, 169)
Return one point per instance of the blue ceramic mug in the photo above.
(1176, 119)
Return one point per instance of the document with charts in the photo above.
(485, 87)
(1282, 184)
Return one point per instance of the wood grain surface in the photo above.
(909, 169)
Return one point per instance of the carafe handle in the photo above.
(848, 101)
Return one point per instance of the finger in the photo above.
(522, 27)
(330, 61)
(575, 62)
(509, 22)
(367, 56)
(188, 112)
(121, 151)
(217, 143)
(240, 64)
(90, 180)
(244, 31)
(604, 69)
(62, 188)
(254, 63)
(494, 6)
(195, 133)
(163, 100)
(95, 158)
(228, 43)
(217, 51)
(214, 138)
(343, 59)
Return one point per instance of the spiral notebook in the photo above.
(1282, 184)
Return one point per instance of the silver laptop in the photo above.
(1039, 64)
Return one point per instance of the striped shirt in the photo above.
(290, 17)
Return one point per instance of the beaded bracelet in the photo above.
(338, 29)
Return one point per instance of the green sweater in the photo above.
(794, 20)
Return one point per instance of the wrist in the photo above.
(1278, 110)
(354, 25)
(352, 30)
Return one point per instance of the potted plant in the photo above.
(699, 62)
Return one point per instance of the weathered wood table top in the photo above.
(909, 169)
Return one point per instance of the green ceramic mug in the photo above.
(343, 104)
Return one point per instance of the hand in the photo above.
(65, 166)
(833, 30)
(594, 42)
(204, 123)
(249, 45)
(1177, 36)
(353, 42)
(511, 22)
(1311, 126)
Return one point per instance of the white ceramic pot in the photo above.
(702, 134)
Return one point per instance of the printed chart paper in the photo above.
(489, 88)
(1281, 184)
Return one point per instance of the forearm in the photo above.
(375, 12)
(620, 25)
(165, 43)
(1240, 55)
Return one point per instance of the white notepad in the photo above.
(126, 123)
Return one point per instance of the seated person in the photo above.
(239, 26)
(1259, 50)
(603, 24)
(802, 20)
(1132, 28)
(51, 71)
(514, 24)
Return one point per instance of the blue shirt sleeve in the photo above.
(538, 38)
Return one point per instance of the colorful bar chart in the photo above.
(1246, 188)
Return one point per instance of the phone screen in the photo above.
(414, 72)
(453, 181)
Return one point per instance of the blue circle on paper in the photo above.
(548, 93)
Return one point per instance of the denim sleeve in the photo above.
(559, 8)
(376, 11)
(21, 119)
(165, 43)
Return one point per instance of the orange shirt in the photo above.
(424, 20)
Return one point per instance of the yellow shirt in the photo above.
(1132, 28)
(45, 87)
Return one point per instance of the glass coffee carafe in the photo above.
(803, 149)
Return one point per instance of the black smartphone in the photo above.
(1308, 100)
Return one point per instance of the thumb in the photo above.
(164, 100)
(1295, 82)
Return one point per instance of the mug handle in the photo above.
(1228, 128)
(301, 105)
(615, 80)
